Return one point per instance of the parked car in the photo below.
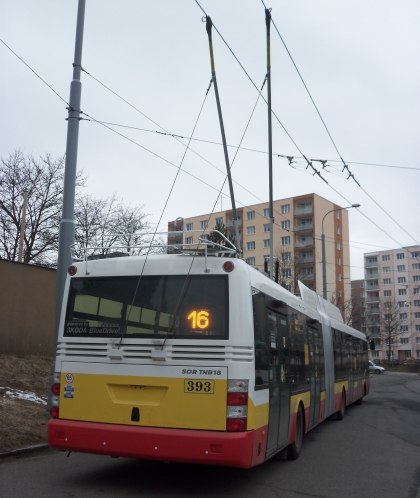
(375, 368)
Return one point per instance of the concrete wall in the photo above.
(27, 308)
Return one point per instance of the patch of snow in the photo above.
(8, 392)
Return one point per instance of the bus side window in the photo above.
(299, 351)
(261, 342)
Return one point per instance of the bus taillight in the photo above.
(237, 405)
(55, 399)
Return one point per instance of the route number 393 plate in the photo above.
(201, 386)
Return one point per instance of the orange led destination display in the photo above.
(199, 319)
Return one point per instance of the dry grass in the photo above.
(23, 423)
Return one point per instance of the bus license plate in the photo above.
(199, 386)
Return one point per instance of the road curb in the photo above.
(21, 451)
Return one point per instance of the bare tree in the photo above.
(386, 322)
(43, 180)
(291, 269)
(108, 227)
(215, 237)
(347, 308)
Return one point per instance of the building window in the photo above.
(402, 292)
(266, 212)
(386, 269)
(403, 316)
(388, 317)
(250, 246)
(375, 354)
(250, 261)
(416, 303)
(189, 227)
(204, 237)
(417, 341)
(250, 230)
(266, 243)
(338, 230)
(285, 208)
(203, 224)
(386, 257)
(401, 304)
(401, 268)
(415, 254)
(362, 294)
(339, 261)
(219, 221)
(387, 281)
(392, 353)
(416, 290)
(416, 314)
(337, 215)
(339, 277)
(417, 328)
(286, 256)
(404, 328)
(387, 293)
(189, 240)
(400, 255)
(340, 292)
(404, 340)
(285, 225)
(401, 280)
(286, 272)
(250, 215)
(285, 241)
(372, 259)
(362, 284)
(266, 227)
(416, 266)
(416, 278)
(339, 246)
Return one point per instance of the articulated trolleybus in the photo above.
(192, 358)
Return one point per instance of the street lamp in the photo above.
(324, 263)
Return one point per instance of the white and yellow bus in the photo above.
(187, 358)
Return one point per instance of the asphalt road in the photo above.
(374, 452)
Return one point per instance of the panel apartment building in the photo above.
(296, 235)
(393, 277)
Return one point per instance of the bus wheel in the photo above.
(293, 450)
(340, 414)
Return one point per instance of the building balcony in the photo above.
(372, 299)
(231, 223)
(309, 241)
(372, 287)
(299, 260)
(371, 265)
(305, 210)
(175, 235)
(306, 226)
(371, 274)
(306, 277)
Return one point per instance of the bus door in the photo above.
(315, 374)
(279, 408)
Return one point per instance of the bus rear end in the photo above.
(157, 363)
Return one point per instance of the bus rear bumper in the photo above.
(236, 449)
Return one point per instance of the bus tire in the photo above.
(340, 413)
(293, 450)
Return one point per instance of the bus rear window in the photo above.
(165, 306)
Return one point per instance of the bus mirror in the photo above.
(372, 344)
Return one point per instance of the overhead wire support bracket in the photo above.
(209, 25)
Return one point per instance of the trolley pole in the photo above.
(209, 25)
(66, 235)
(270, 140)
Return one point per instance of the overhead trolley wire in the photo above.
(35, 73)
(332, 140)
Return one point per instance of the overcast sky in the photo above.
(359, 59)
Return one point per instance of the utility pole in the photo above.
(66, 235)
(22, 226)
(270, 146)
